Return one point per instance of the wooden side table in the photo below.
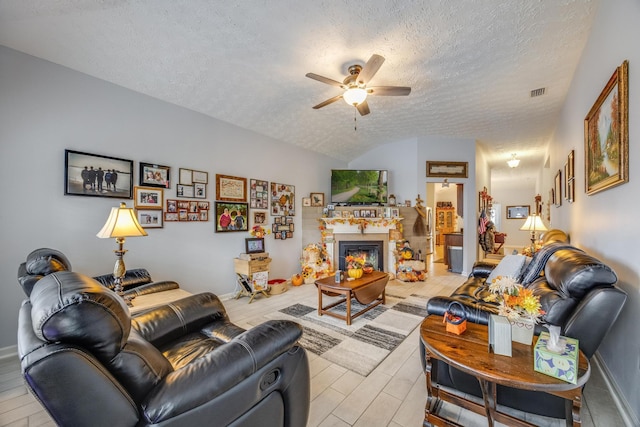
(469, 353)
(246, 270)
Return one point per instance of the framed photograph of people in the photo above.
(152, 175)
(258, 194)
(97, 176)
(149, 218)
(199, 190)
(231, 216)
(185, 191)
(147, 198)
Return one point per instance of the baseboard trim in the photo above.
(619, 400)
(11, 351)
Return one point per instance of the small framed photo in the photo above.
(171, 216)
(317, 199)
(374, 213)
(356, 214)
(259, 217)
(306, 201)
(331, 207)
(199, 190)
(254, 245)
(204, 215)
(148, 198)
(97, 176)
(185, 191)
(200, 177)
(407, 203)
(276, 220)
(203, 206)
(186, 176)
(395, 212)
(152, 175)
(149, 218)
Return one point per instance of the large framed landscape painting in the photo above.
(606, 135)
(96, 175)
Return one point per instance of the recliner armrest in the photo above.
(482, 269)
(228, 365)
(170, 321)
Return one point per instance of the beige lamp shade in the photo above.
(122, 222)
(533, 223)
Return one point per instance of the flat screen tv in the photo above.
(358, 187)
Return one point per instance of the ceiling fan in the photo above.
(355, 86)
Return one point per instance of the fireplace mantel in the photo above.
(360, 225)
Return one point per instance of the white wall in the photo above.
(605, 224)
(45, 109)
(511, 197)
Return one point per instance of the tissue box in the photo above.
(563, 366)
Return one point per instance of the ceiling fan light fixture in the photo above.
(354, 96)
(513, 162)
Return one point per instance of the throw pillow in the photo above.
(510, 265)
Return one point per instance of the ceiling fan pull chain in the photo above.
(355, 119)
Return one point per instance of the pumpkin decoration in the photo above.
(296, 279)
(355, 273)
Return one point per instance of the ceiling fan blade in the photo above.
(327, 102)
(363, 108)
(370, 68)
(389, 90)
(325, 80)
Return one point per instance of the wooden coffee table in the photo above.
(469, 353)
(367, 290)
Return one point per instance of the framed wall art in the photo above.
(282, 199)
(185, 191)
(199, 190)
(186, 210)
(557, 189)
(517, 212)
(199, 177)
(149, 218)
(96, 175)
(258, 194)
(152, 175)
(447, 169)
(231, 188)
(317, 199)
(231, 216)
(282, 227)
(254, 245)
(306, 201)
(606, 135)
(148, 198)
(259, 217)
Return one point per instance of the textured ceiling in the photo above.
(471, 64)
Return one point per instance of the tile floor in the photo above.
(394, 394)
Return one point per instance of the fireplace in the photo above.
(371, 250)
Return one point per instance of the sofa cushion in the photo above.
(509, 266)
(556, 304)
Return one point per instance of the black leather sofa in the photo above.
(90, 363)
(576, 291)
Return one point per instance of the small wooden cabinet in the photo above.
(253, 276)
(445, 223)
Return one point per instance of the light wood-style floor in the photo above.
(394, 394)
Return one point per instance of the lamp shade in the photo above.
(354, 96)
(122, 222)
(533, 223)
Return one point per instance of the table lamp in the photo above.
(533, 223)
(122, 223)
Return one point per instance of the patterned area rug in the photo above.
(370, 338)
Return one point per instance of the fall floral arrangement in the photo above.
(353, 262)
(259, 231)
(516, 302)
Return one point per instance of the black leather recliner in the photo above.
(577, 293)
(182, 364)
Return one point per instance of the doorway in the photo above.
(445, 200)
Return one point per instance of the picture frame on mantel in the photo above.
(606, 135)
(436, 169)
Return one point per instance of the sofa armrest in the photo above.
(225, 367)
(170, 321)
(132, 278)
(475, 311)
(482, 269)
(152, 288)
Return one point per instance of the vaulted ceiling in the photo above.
(471, 64)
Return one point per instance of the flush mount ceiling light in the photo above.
(513, 162)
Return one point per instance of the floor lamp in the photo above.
(122, 223)
(532, 224)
